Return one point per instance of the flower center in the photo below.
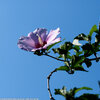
(41, 42)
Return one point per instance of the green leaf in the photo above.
(93, 29)
(88, 62)
(77, 60)
(50, 46)
(97, 38)
(64, 68)
(80, 68)
(61, 91)
(88, 49)
(87, 96)
(79, 53)
(55, 50)
(82, 36)
(82, 88)
(38, 52)
(66, 46)
(77, 48)
(66, 62)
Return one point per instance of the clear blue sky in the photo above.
(23, 74)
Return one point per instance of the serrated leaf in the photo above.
(93, 29)
(64, 68)
(82, 88)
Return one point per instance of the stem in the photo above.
(94, 58)
(48, 84)
(97, 58)
(54, 57)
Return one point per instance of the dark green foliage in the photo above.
(63, 50)
(82, 36)
(73, 57)
(88, 97)
(70, 95)
(88, 50)
(97, 38)
(39, 52)
(73, 62)
(88, 62)
(64, 68)
(62, 91)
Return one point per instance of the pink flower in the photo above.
(38, 39)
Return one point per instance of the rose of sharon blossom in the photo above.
(39, 39)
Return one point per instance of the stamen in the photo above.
(40, 40)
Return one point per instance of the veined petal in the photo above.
(52, 42)
(56, 40)
(34, 37)
(26, 43)
(38, 39)
(41, 33)
(52, 35)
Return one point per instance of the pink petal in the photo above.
(54, 41)
(33, 37)
(52, 35)
(41, 32)
(26, 43)
(36, 49)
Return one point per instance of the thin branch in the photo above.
(48, 84)
(94, 59)
(54, 57)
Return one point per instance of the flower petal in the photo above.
(36, 49)
(26, 43)
(54, 41)
(41, 32)
(34, 37)
(52, 35)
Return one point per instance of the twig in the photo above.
(97, 58)
(54, 57)
(48, 84)
(94, 59)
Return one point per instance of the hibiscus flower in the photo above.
(38, 39)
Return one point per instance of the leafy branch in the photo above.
(73, 55)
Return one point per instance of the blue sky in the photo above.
(23, 74)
